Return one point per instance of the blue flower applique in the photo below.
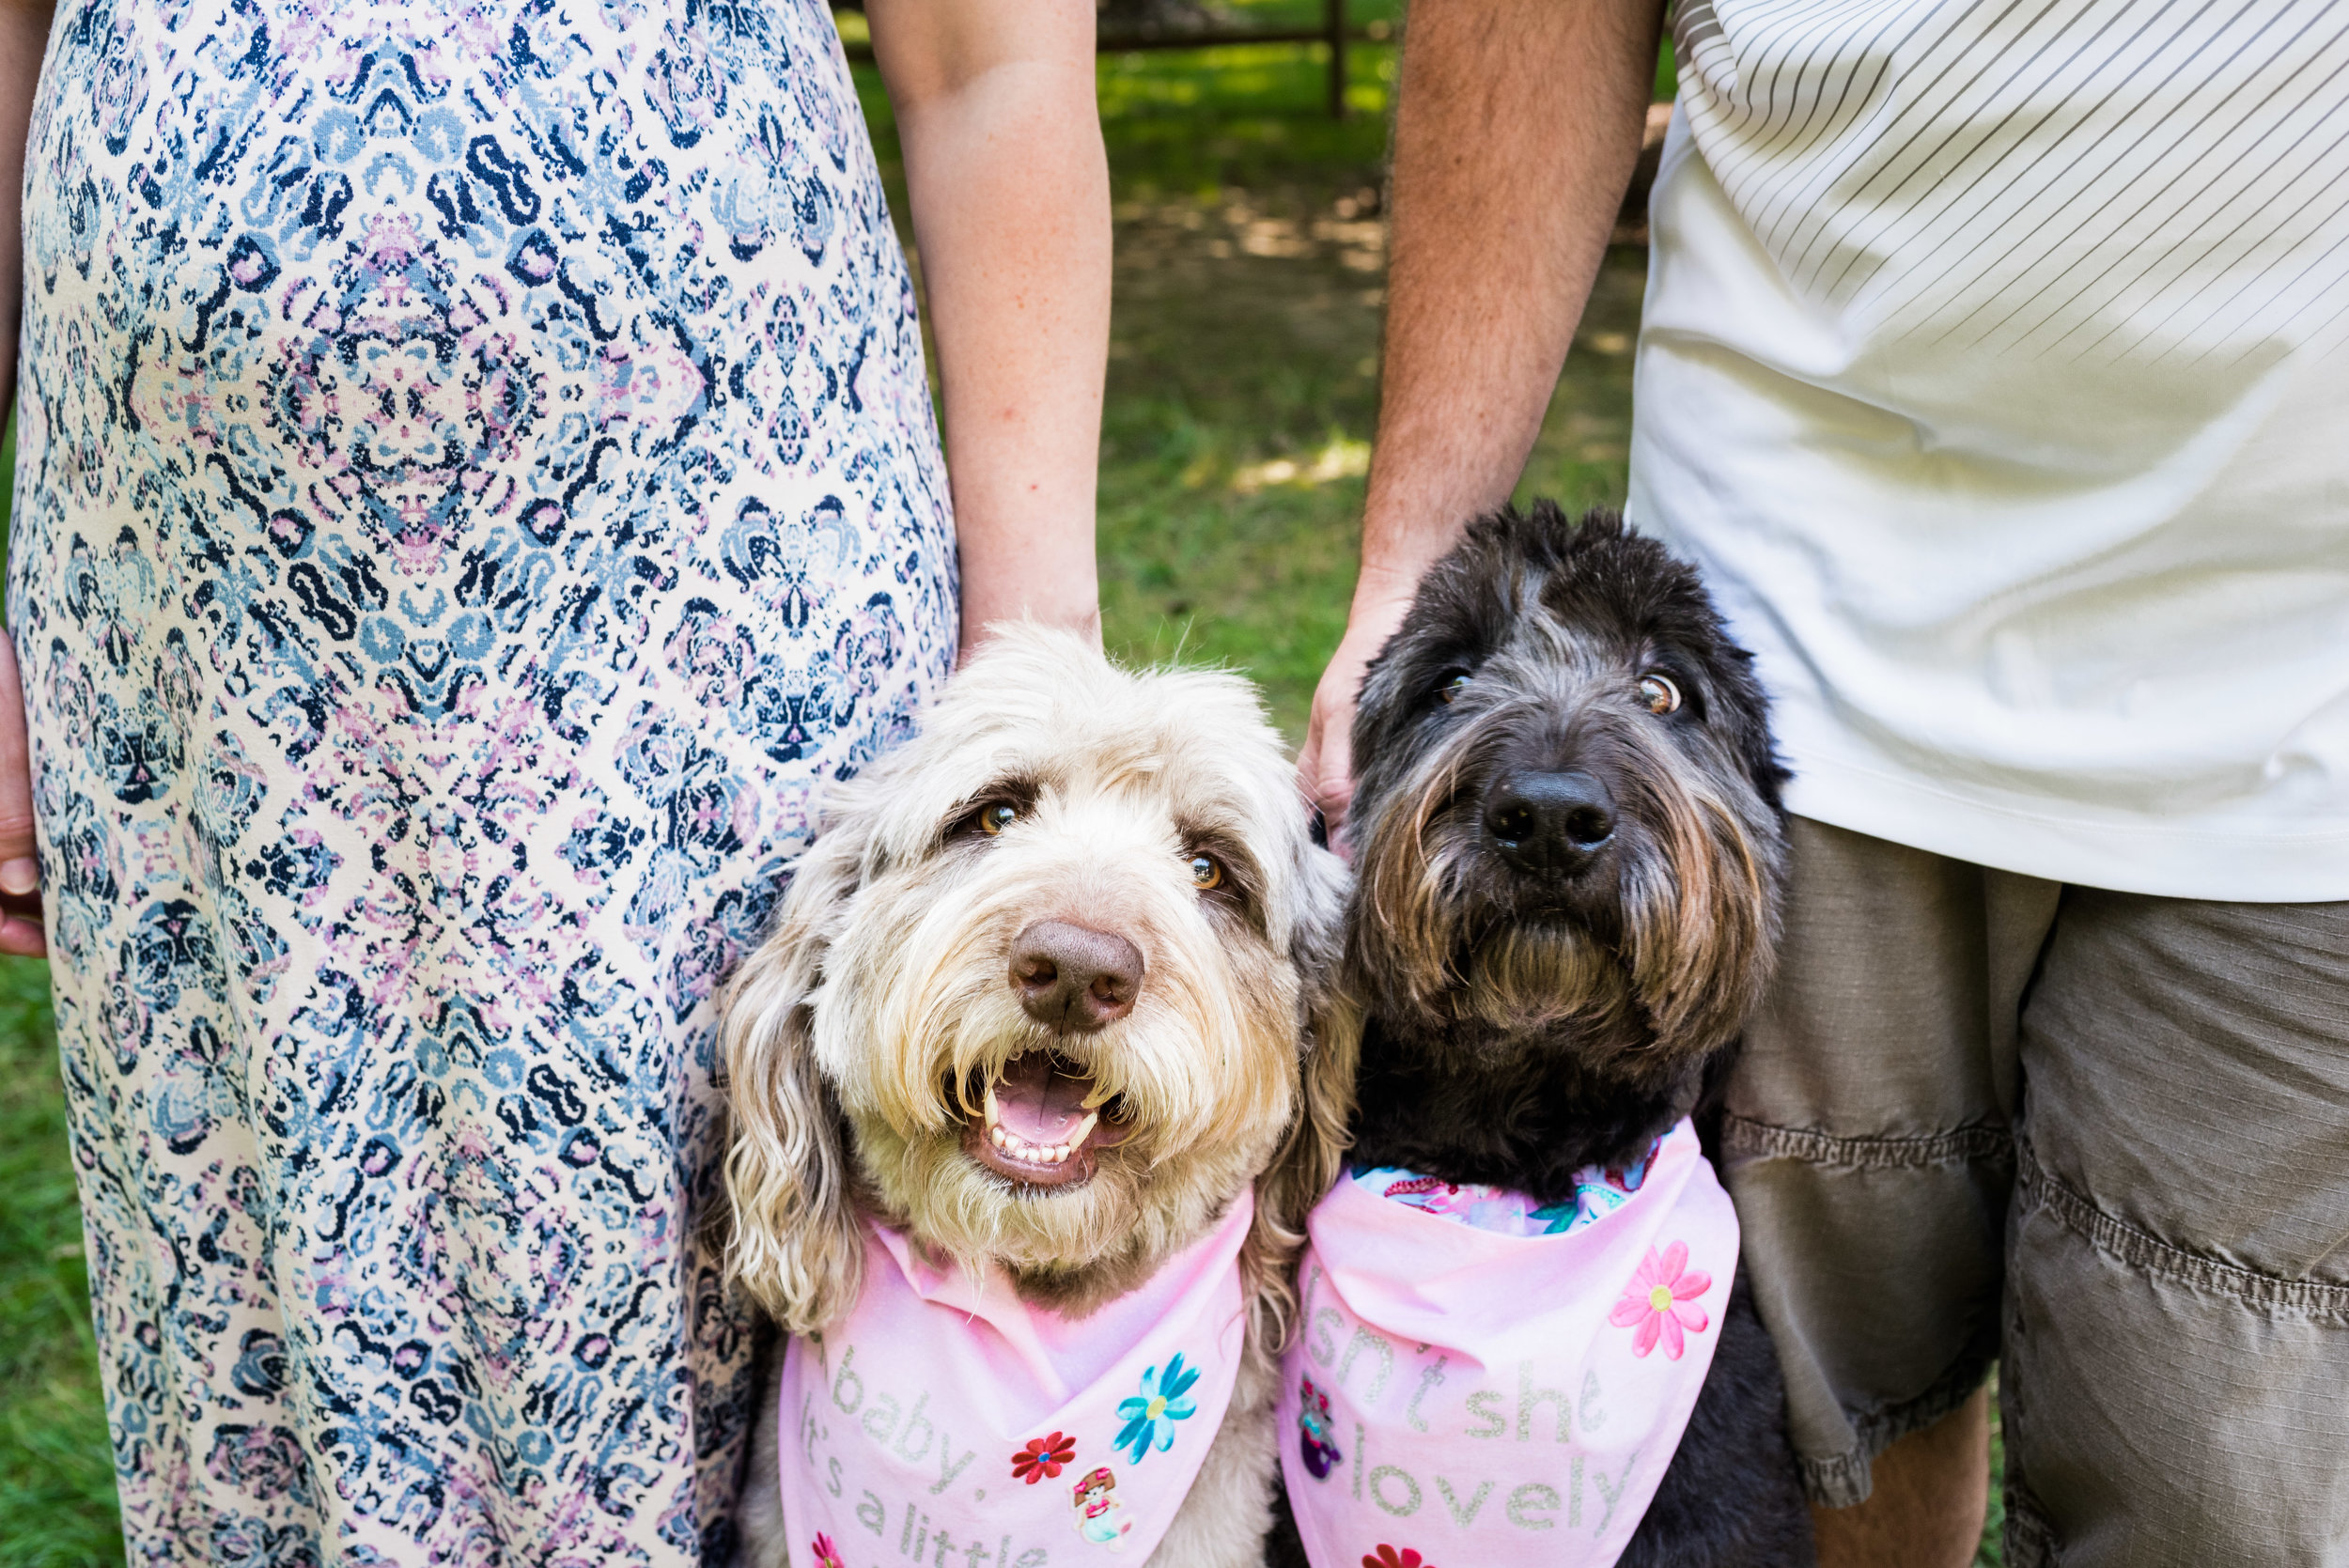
(1150, 1417)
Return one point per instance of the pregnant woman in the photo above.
(476, 480)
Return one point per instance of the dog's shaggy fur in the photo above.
(1568, 841)
(864, 1039)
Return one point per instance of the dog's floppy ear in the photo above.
(1330, 1045)
(795, 1245)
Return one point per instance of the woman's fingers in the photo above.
(20, 857)
(21, 932)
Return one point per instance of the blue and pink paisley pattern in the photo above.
(476, 478)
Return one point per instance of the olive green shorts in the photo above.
(2101, 1138)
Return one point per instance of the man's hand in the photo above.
(1326, 767)
(19, 864)
(1517, 126)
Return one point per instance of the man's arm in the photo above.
(23, 34)
(1517, 126)
(1009, 184)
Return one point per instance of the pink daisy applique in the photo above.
(827, 1555)
(1660, 1302)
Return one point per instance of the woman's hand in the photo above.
(20, 863)
(1010, 193)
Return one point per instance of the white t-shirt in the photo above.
(1993, 368)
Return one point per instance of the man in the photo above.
(1992, 369)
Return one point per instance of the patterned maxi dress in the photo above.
(476, 478)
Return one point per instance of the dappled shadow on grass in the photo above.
(57, 1473)
(1242, 397)
(1242, 388)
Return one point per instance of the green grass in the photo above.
(1242, 394)
(56, 1475)
(1243, 368)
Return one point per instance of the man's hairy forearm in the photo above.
(1517, 126)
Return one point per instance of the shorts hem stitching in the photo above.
(1744, 1139)
(2036, 1187)
(1844, 1480)
(1840, 1481)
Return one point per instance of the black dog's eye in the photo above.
(995, 818)
(1453, 685)
(1658, 692)
(1206, 872)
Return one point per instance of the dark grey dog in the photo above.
(1567, 843)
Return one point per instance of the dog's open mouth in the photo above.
(1042, 1123)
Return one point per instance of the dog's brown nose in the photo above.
(1550, 823)
(1072, 977)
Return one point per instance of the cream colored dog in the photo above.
(1048, 992)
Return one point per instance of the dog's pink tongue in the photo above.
(1035, 1101)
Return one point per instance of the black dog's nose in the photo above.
(1550, 822)
(1072, 977)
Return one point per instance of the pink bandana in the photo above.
(1481, 1383)
(947, 1424)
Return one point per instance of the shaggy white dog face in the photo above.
(1053, 968)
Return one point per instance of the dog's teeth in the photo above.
(1084, 1130)
(994, 1111)
(997, 1134)
(1060, 1156)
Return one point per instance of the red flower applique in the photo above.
(1387, 1557)
(1043, 1457)
(827, 1555)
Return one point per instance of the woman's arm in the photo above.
(23, 34)
(1010, 193)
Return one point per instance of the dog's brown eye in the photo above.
(1205, 872)
(1450, 690)
(995, 818)
(1658, 692)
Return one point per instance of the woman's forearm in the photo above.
(23, 36)
(1010, 195)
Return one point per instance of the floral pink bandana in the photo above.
(1480, 1384)
(944, 1423)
